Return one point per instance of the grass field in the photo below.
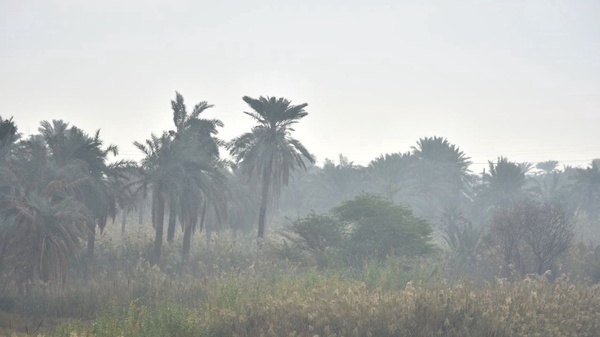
(233, 289)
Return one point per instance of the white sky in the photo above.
(513, 78)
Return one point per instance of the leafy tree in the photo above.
(378, 227)
(268, 153)
(321, 235)
(529, 236)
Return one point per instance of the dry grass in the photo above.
(230, 290)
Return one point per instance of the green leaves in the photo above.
(362, 228)
(381, 228)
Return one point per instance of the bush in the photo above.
(530, 236)
(322, 236)
(378, 227)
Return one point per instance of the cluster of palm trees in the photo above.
(434, 179)
(57, 189)
(60, 186)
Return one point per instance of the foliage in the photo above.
(57, 187)
(441, 176)
(505, 182)
(327, 305)
(463, 241)
(268, 153)
(587, 189)
(321, 235)
(378, 227)
(183, 170)
(530, 236)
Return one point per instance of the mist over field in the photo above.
(285, 169)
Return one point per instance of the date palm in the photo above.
(8, 136)
(587, 188)
(199, 135)
(268, 153)
(158, 173)
(505, 182)
(71, 147)
(44, 232)
(440, 176)
(43, 224)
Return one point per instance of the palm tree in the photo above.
(198, 133)
(390, 174)
(205, 183)
(158, 172)
(45, 232)
(587, 189)
(547, 167)
(268, 153)
(71, 147)
(440, 174)
(8, 136)
(505, 182)
(43, 223)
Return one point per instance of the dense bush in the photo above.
(530, 236)
(378, 227)
(365, 227)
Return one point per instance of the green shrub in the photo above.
(378, 227)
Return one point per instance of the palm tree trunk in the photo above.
(91, 243)
(91, 240)
(141, 212)
(263, 201)
(159, 224)
(172, 223)
(203, 215)
(187, 238)
(123, 222)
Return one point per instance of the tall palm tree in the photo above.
(205, 183)
(440, 174)
(197, 133)
(173, 168)
(268, 153)
(159, 172)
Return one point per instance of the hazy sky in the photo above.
(513, 78)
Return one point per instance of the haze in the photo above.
(513, 78)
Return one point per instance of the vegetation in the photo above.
(268, 153)
(412, 244)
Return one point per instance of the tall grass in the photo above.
(234, 289)
(328, 305)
